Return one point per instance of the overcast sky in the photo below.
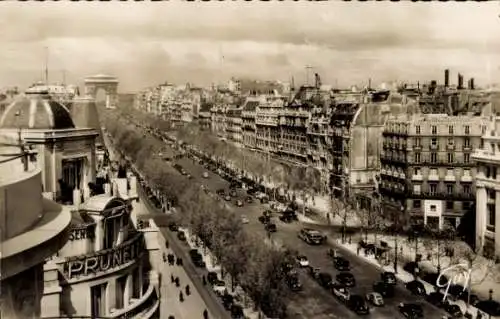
(147, 43)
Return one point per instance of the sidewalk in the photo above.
(321, 207)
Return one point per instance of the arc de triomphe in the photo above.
(106, 82)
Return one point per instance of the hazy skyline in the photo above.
(147, 43)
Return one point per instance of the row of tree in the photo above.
(251, 264)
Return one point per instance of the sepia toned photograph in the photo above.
(249, 160)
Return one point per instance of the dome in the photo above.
(36, 110)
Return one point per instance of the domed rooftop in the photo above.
(36, 110)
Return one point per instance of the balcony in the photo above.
(144, 307)
(401, 133)
(434, 147)
(442, 195)
(450, 147)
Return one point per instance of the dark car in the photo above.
(473, 299)
(358, 304)
(325, 279)
(346, 278)
(196, 258)
(411, 267)
(457, 291)
(249, 199)
(453, 310)
(220, 192)
(386, 290)
(313, 272)
(232, 193)
(173, 227)
(264, 219)
(227, 301)
(237, 312)
(437, 299)
(432, 278)
(340, 263)
(293, 283)
(416, 288)
(212, 277)
(181, 236)
(411, 310)
(388, 277)
(288, 216)
(270, 227)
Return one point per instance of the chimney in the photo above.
(471, 84)
(446, 78)
(460, 81)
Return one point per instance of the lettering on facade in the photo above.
(82, 233)
(105, 260)
(456, 274)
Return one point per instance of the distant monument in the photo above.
(106, 82)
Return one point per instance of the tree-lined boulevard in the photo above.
(241, 249)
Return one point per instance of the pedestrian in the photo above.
(167, 245)
(204, 279)
(357, 250)
(328, 218)
(181, 296)
(172, 278)
(177, 282)
(188, 291)
(205, 314)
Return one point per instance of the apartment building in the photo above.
(427, 170)
(248, 115)
(357, 121)
(204, 118)
(234, 125)
(487, 159)
(267, 124)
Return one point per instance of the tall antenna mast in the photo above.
(46, 65)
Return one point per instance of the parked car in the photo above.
(437, 299)
(313, 272)
(325, 279)
(416, 288)
(212, 277)
(227, 301)
(346, 278)
(293, 283)
(386, 290)
(270, 227)
(197, 258)
(411, 267)
(237, 312)
(249, 200)
(232, 193)
(340, 263)
(388, 277)
(288, 216)
(358, 304)
(341, 292)
(375, 298)
(181, 235)
(411, 310)
(302, 261)
(219, 287)
(453, 310)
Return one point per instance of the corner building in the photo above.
(427, 169)
(105, 266)
(487, 158)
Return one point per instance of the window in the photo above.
(467, 142)
(450, 129)
(433, 157)
(98, 300)
(487, 172)
(416, 203)
(434, 141)
(494, 172)
(492, 147)
(449, 205)
(434, 129)
(449, 189)
(416, 171)
(466, 189)
(491, 218)
(466, 172)
(417, 157)
(450, 141)
(433, 208)
(417, 129)
(433, 171)
(467, 129)
(466, 158)
(450, 172)
(492, 194)
(120, 291)
(416, 189)
(450, 157)
(433, 188)
(418, 142)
